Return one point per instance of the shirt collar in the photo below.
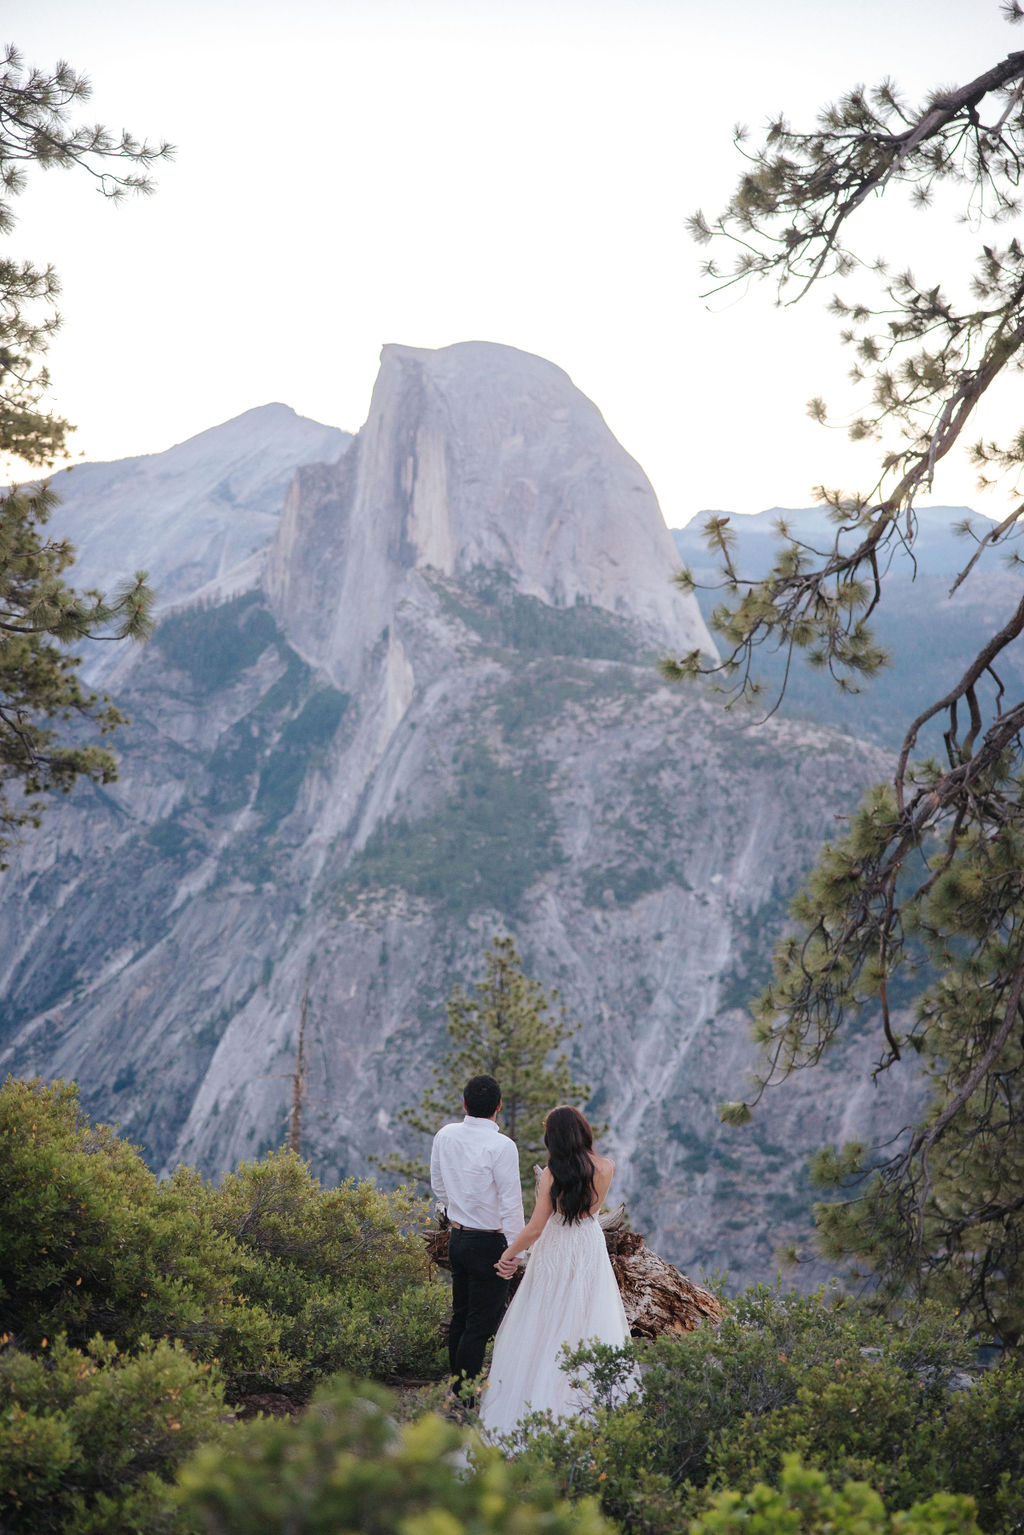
(474, 1119)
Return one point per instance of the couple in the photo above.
(568, 1294)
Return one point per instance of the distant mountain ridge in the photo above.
(929, 635)
(194, 513)
(938, 549)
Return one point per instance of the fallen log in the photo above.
(657, 1298)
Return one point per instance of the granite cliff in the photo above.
(423, 710)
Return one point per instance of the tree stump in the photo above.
(657, 1298)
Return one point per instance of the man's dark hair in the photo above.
(482, 1096)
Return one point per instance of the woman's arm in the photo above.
(508, 1262)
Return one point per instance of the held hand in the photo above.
(507, 1265)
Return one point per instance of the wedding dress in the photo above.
(568, 1295)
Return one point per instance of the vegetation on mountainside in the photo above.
(43, 708)
(485, 845)
(264, 756)
(933, 866)
(511, 1029)
(489, 604)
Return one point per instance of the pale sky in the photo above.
(355, 172)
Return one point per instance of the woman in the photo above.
(568, 1294)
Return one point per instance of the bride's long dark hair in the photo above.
(570, 1141)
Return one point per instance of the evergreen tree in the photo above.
(40, 615)
(509, 1029)
(932, 871)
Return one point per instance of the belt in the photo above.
(478, 1229)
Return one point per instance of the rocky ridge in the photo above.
(434, 716)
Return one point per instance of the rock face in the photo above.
(195, 513)
(474, 458)
(437, 719)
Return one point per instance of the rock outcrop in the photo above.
(474, 458)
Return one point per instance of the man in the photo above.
(474, 1172)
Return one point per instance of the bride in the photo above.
(568, 1294)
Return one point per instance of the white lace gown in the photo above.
(568, 1296)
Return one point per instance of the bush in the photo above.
(90, 1440)
(90, 1242)
(805, 1502)
(347, 1466)
(280, 1282)
(340, 1269)
(857, 1396)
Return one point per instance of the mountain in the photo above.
(194, 514)
(427, 712)
(475, 458)
(939, 549)
(929, 633)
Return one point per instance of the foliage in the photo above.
(498, 613)
(264, 756)
(40, 615)
(34, 113)
(90, 1440)
(510, 1030)
(935, 860)
(347, 1467)
(89, 1242)
(281, 1282)
(485, 845)
(342, 1270)
(804, 1501)
(858, 1397)
(215, 645)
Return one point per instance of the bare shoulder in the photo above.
(603, 1165)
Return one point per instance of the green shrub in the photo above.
(857, 1396)
(90, 1440)
(279, 1281)
(982, 1445)
(346, 1466)
(90, 1242)
(805, 1502)
(340, 1269)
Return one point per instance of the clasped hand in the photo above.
(507, 1264)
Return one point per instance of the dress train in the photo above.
(568, 1296)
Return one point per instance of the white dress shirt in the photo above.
(474, 1172)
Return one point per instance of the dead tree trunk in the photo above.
(298, 1081)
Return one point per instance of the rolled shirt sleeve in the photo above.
(436, 1175)
(510, 1192)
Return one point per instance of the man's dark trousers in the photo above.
(479, 1295)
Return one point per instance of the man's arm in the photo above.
(436, 1176)
(510, 1192)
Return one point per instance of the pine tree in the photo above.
(929, 882)
(40, 615)
(509, 1028)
